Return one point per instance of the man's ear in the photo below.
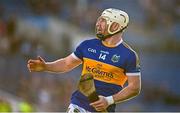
(114, 26)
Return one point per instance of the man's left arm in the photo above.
(131, 90)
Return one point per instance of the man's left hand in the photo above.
(101, 104)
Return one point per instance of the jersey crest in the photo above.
(115, 58)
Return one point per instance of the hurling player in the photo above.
(111, 61)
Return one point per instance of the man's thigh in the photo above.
(76, 109)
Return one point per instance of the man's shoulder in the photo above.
(90, 41)
(129, 50)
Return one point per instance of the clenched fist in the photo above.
(36, 65)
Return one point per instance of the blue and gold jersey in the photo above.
(110, 67)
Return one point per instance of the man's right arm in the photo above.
(60, 65)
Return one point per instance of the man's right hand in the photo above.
(36, 65)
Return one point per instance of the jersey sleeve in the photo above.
(78, 53)
(133, 65)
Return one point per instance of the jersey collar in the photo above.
(113, 45)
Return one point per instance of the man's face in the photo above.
(101, 26)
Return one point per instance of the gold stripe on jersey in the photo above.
(137, 58)
(104, 72)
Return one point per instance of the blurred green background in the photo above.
(53, 29)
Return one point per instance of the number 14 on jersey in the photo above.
(102, 56)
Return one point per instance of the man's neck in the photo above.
(112, 41)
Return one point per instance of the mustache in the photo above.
(98, 29)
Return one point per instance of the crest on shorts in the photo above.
(115, 58)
